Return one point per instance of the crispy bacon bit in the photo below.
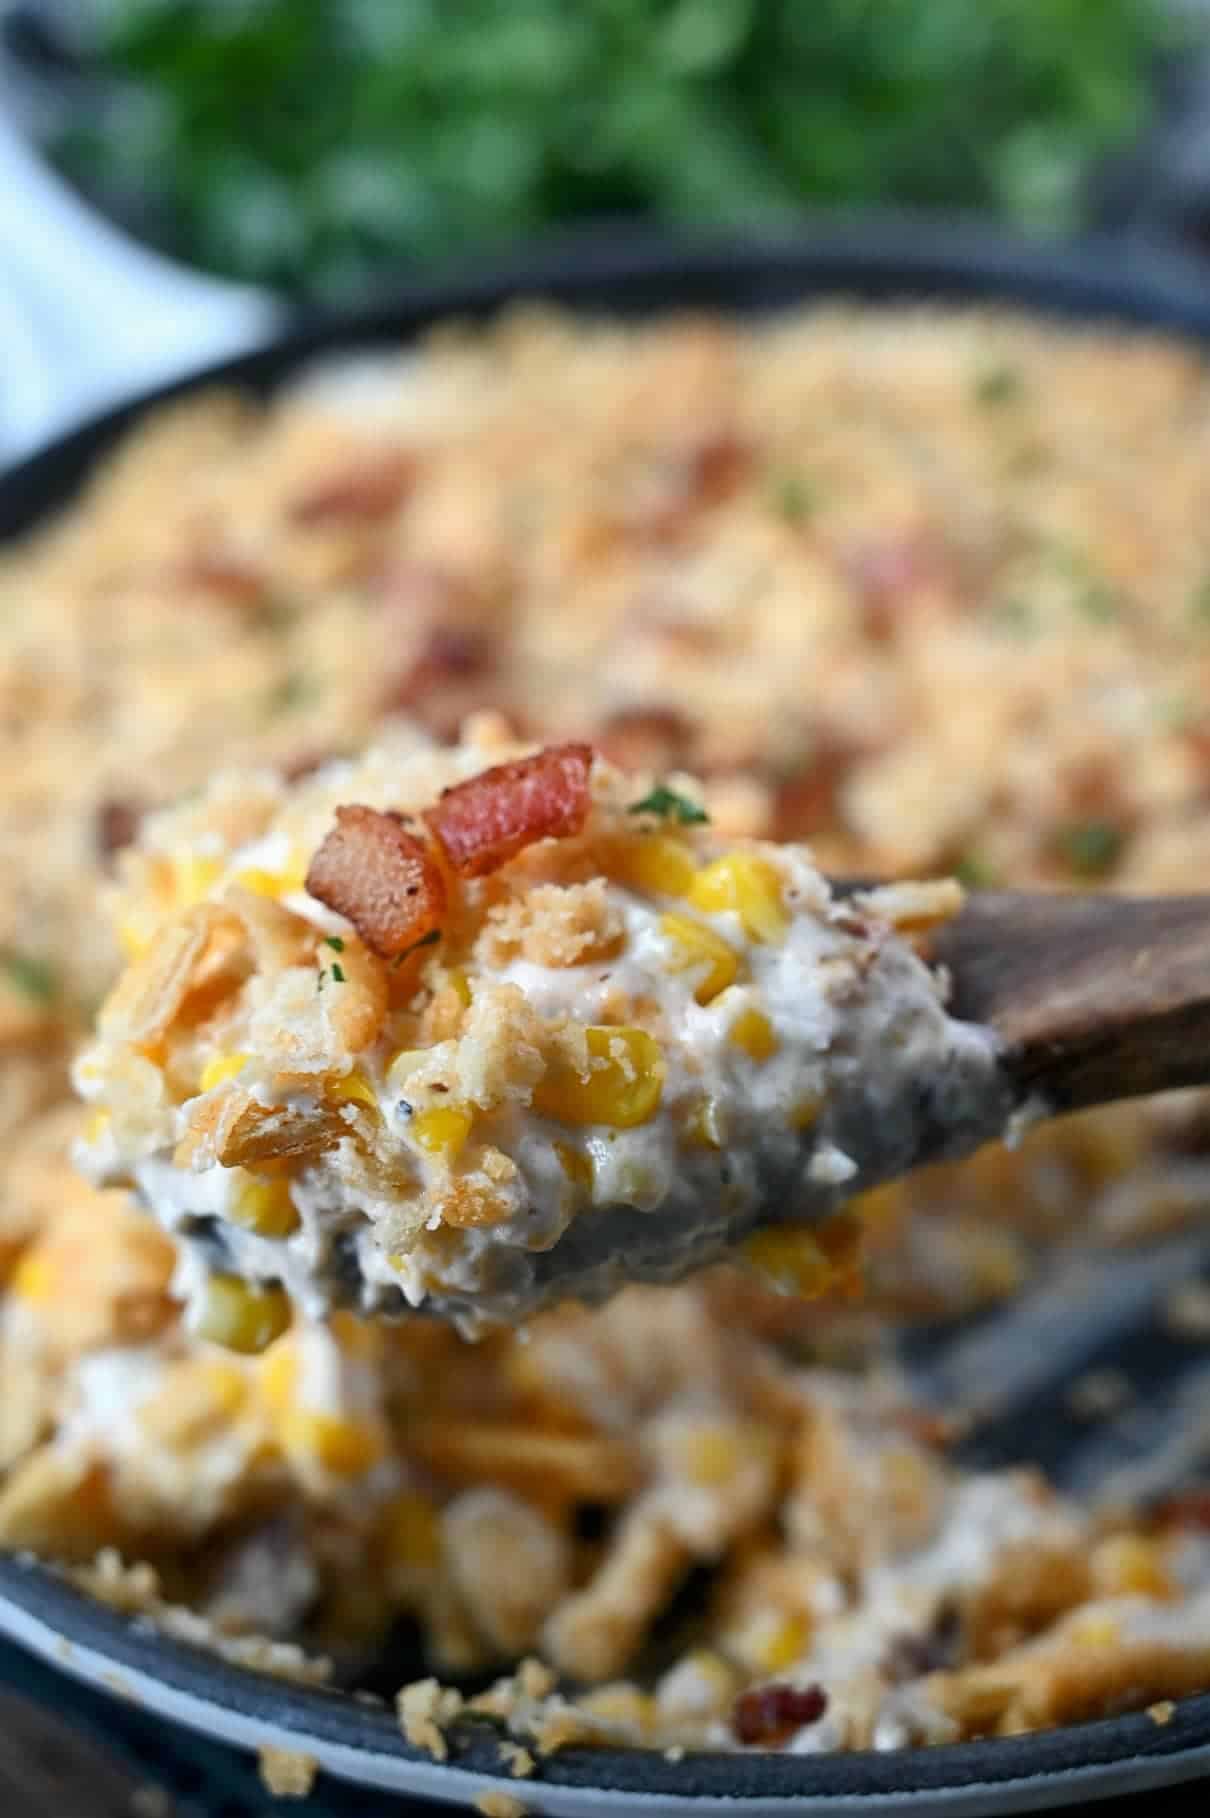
(368, 488)
(1184, 1509)
(487, 820)
(681, 483)
(770, 1713)
(225, 577)
(808, 803)
(371, 870)
(117, 823)
(438, 643)
(646, 738)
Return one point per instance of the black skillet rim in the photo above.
(637, 272)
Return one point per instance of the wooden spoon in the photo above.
(1095, 997)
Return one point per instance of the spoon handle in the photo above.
(1095, 997)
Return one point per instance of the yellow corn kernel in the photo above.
(716, 1678)
(95, 1126)
(749, 887)
(460, 985)
(442, 1130)
(804, 1113)
(35, 1279)
(338, 1444)
(656, 864)
(623, 1088)
(705, 1127)
(622, 1704)
(696, 945)
(273, 883)
(278, 1377)
(1096, 1630)
(222, 1067)
(135, 933)
(243, 1316)
(192, 878)
(353, 1089)
(1129, 1563)
(791, 1259)
(411, 1532)
(754, 1033)
(713, 1457)
(264, 1206)
(576, 1165)
(777, 1642)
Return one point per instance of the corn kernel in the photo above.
(265, 1206)
(621, 1704)
(272, 883)
(623, 1090)
(353, 1089)
(777, 1642)
(442, 1130)
(791, 1259)
(279, 1376)
(576, 1165)
(1130, 1563)
(339, 1445)
(656, 864)
(747, 886)
(705, 1127)
(222, 1067)
(95, 1126)
(715, 1680)
(243, 1316)
(192, 878)
(135, 933)
(713, 1457)
(754, 1033)
(1095, 1630)
(35, 1279)
(696, 945)
(879, 1205)
(411, 1531)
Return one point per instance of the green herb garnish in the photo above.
(426, 940)
(1098, 601)
(999, 385)
(338, 972)
(1091, 848)
(669, 806)
(294, 690)
(1199, 605)
(31, 976)
(334, 941)
(1013, 615)
(975, 872)
(792, 496)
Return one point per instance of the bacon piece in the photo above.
(383, 879)
(487, 820)
(770, 1713)
(366, 489)
(117, 823)
(680, 484)
(224, 577)
(891, 575)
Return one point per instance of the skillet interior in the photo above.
(623, 274)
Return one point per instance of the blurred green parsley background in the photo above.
(317, 145)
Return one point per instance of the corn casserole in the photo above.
(927, 590)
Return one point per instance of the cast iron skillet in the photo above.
(636, 275)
